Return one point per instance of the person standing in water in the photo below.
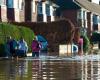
(35, 48)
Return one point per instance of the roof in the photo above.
(67, 4)
(92, 7)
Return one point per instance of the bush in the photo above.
(15, 32)
(86, 43)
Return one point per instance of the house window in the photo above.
(54, 12)
(79, 14)
(22, 5)
(39, 8)
(79, 17)
(95, 19)
(40, 18)
(48, 9)
(2, 2)
(99, 19)
(10, 3)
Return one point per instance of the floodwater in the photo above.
(50, 69)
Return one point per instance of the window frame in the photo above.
(47, 9)
(95, 19)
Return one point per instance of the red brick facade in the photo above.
(71, 15)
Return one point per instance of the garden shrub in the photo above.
(86, 43)
(15, 32)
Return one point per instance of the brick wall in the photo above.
(89, 24)
(72, 15)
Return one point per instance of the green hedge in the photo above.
(86, 43)
(15, 32)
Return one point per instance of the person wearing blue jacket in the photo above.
(11, 46)
(22, 48)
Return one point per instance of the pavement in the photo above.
(93, 57)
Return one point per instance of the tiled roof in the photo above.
(92, 7)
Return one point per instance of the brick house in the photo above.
(27, 10)
(83, 13)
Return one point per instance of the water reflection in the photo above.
(21, 69)
(91, 70)
(13, 70)
(37, 69)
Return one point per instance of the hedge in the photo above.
(86, 43)
(16, 32)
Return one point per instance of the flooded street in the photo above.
(50, 69)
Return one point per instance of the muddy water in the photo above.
(48, 69)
